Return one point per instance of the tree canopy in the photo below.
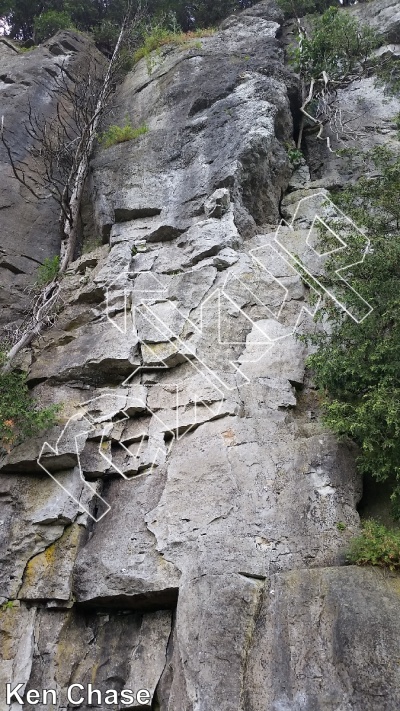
(356, 365)
(21, 16)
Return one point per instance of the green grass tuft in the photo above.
(47, 271)
(160, 36)
(120, 134)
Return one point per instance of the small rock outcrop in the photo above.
(178, 532)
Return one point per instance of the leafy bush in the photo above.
(295, 156)
(357, 365)
(106, 35)
(120, 134)
(153, 39)
(387, 72)
(334, 53)
(20, 416)
(337, 45)
(299, 8)
(377, 545)
(47, 271)
(48, 23)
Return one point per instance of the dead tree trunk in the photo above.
(85, 149)
(67, 190)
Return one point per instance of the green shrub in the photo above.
(387, 72)
(106, 35)
(20, 416)
(120, 134)
(295, 156)
(48, 23)
(299, 8)
(337, 45)
(377, 545)
(356, 366)
(7, 605)
(153, 40)
(47, 271)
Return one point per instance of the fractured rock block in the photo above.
(218, 203)
(208, 238)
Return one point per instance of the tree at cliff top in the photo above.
(299, 8)
(334, 54)
(357, 365)
(87, 15)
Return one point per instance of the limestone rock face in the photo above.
(177, 531)
(320, 655)
(383, 16)
(208, 129)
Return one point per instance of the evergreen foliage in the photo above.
(337, 46)
(357, 365)
(103, 17)
(47, 24)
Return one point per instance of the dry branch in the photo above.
(62, 148)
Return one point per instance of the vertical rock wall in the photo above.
(29, 228)
(178, 533)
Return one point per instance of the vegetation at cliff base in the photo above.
(20, 414)
(377, 545)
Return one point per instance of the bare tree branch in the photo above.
(61, 150)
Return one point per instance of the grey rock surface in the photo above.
(179, 531)
(382, 15)
(367, 110)
(29, 228)
(203, 135)
(319, 654)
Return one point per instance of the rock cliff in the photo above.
(29, 228)
(178, 531)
